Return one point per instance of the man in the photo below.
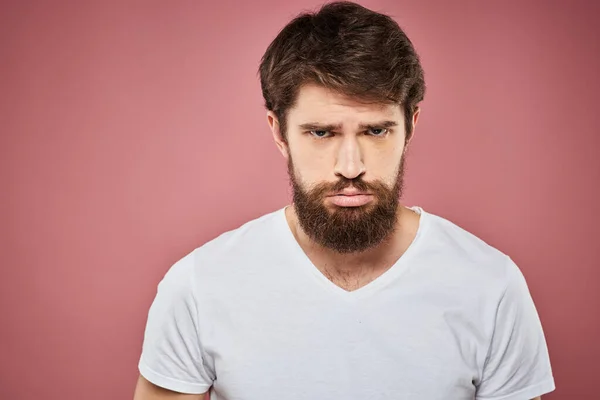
(345, 294)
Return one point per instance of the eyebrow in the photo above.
(312, 126)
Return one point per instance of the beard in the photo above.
(347, 229)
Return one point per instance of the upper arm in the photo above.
(144, 390)
(517, 365)
(172, 355)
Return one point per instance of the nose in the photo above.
(349, 160)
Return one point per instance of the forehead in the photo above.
(318, 103)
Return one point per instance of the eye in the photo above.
(377, 131)
(319, 133)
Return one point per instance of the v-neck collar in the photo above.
(398, 268)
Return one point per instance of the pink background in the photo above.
(132, 132)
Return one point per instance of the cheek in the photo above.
(309, 164)
(385, 161)
(311, 173)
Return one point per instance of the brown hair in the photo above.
(348, 48)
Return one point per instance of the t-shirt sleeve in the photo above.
(171, 353)
(517, 366)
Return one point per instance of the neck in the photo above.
(372, 260)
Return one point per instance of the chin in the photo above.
(350, 211)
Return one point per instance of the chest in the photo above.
(312, 348)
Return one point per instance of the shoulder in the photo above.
(252, 238)
(466, 257)
(449, 236)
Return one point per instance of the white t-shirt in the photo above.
(249, 317)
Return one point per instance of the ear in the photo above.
(415, 119)
(277, 135)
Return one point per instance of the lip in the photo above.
(352, 192)
(356, 199)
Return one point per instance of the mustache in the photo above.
(357, 183)
(343, 183)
